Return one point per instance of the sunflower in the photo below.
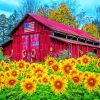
(27, 65)
(1, 83)
(86, 74)
(98, 64)
(45, 80)
(2, 64)
(74, 71)
(67, 67)
(11, 82)
(91, 82)
(21, 65)
(34, 65)
(55, 67)
(7, 74)
(72, 61)
(2, 74)
(50, 61)
(76, 79)
(28, 86)
(79, 61)
(14, 73)
(39, 71)
(85, 60)
(29, 75)
(6, 68)
(59, 85)
(52, 77)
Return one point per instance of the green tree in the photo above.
(3, 27)
(63, 15)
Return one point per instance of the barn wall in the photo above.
(7, 50)
(44, 41)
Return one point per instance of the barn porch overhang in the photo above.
(73, 42)
(76, 38)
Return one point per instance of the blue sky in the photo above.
(88, 5)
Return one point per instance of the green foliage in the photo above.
(91, 54)
(62, 55)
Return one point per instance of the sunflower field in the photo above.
(68, 79)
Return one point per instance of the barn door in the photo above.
(25, 48)
(34, 47)
(30, 47)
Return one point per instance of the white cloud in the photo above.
(11, 2)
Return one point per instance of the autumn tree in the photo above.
(92, 30)
(63, 15)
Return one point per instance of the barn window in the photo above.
(59, 35)
(95, 51)
(81, 40)
(96, 43)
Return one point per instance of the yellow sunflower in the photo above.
(91, 82)
(59, 85)
(1, 83)
(67, 67)
(52, 77)
(6, 68)
(72, 61)
(14, 73)
(11, 82)
(55, 67)
(79, 61)
(45, 80)
(27, 65)
(2, 74)
(39, 71)
(28, 86)
(50, 61)
(21, 65)
(85, 60)
(76, 79)
(98, 64)
(74, 71)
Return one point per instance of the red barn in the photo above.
(34, 36)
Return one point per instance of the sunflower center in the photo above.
(12, 82)
(76, 79)
(45, 80)
(91, 82)
(58, 85)
(50, 63)
(85, 60)
(99, 64)
(21, 65)
(55, 67)
(14, 73)
(29, 86)
(6, 68)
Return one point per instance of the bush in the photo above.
(91, 54)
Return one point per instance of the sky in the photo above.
(87, 5)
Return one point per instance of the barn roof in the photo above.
(57, 27)
(63, 28)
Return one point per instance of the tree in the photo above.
(28, 6)
(43, 11)
(3, 27)
(63, 15)
(12, 21)
(92, 30)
